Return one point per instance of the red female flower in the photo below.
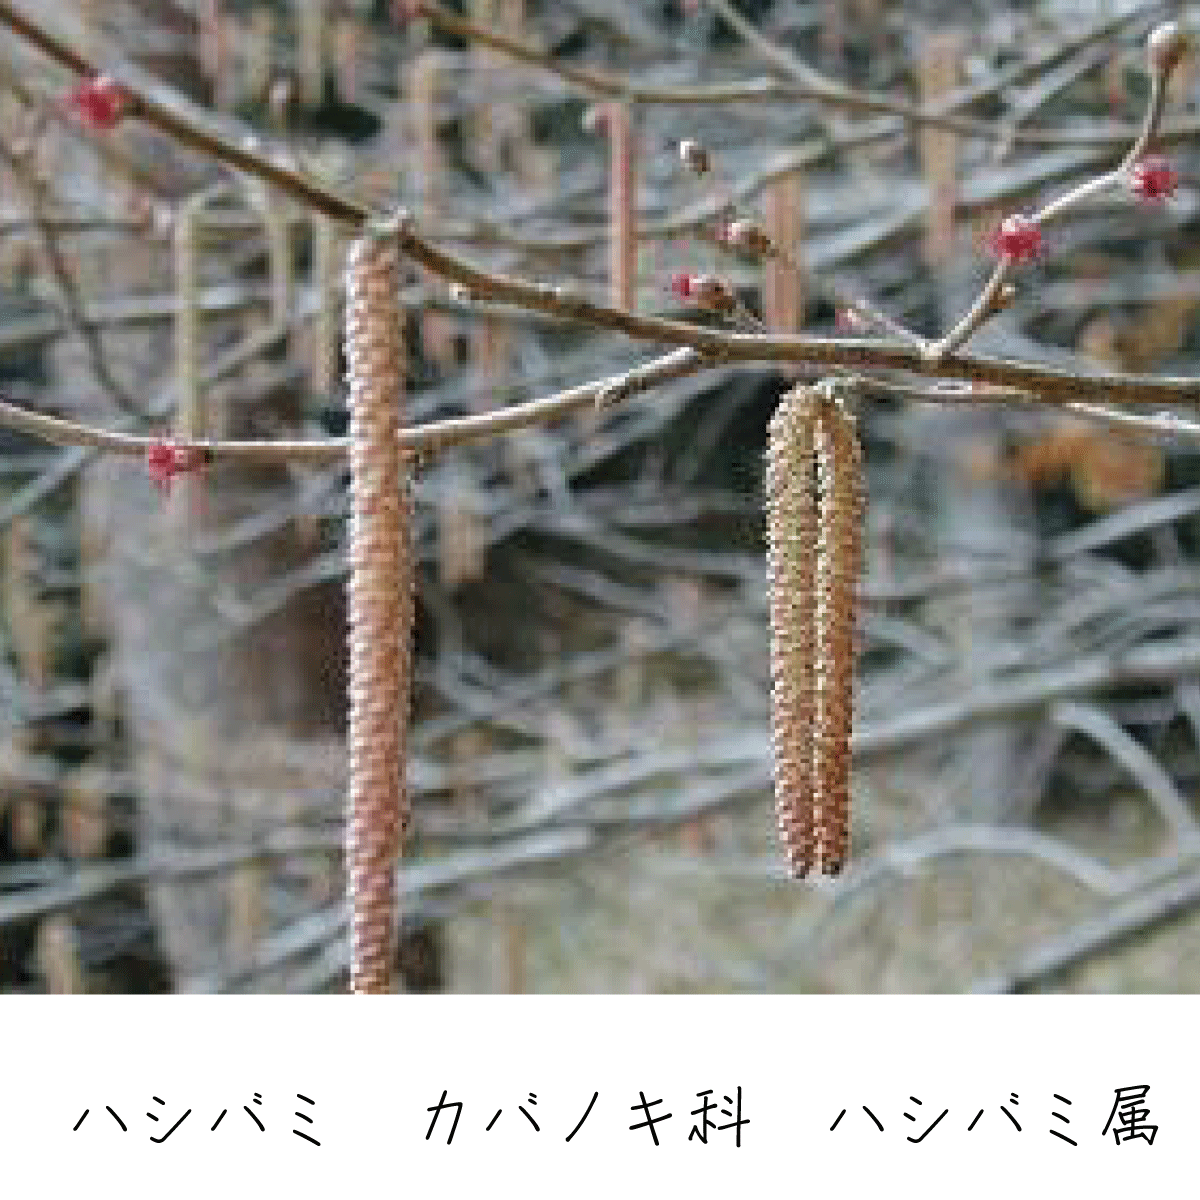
(681, 285)
(1019, 238)
(99, 102)
(164, 462)
(704, 291)
(1153, 178)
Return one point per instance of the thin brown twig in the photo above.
(1163, 424)
(424, 441)
(72, 306)
(186, 131)
(988, 301)
(804, 84)
(1049, 383)
(177, 124)
(1046, 89)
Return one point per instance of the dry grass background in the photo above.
(655, 917)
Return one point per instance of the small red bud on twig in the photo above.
(100, 102)
(1019, 238)
(1153, 178)
(704, 291)
(681, 285)
(164, 462)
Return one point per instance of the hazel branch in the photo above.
(748, 236)
(423, 441)
(1020, 238)
(187, 132)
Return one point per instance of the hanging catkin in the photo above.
(325, 328)
(189, 420)
(839, 551)
(347, 40)
(214, 52)
(791, 578)
(272, 208)
(381, 605)
(622, 203)
(257, 51)
(938, 74)
(195, 415)
(815, 503)
(310, 54)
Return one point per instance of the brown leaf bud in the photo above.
(713, 292)
(1166, 45)
(694, 156)
(745, 235)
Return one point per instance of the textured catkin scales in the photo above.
(791, 563)
(815, 506)
(381, 606)
(841, 504)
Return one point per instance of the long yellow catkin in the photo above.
(189, 417)
(325, 329)
(310, 54)
(791, 576)
(622, 185)
(272, 207)
(381, 606)
(258, 56)
(815, 508)
(841, 502)
(938, 74)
